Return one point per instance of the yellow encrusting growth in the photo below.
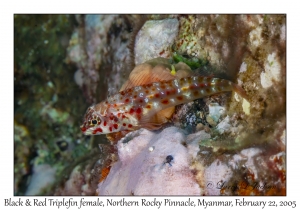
(173, 71)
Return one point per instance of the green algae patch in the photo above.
(193, 62)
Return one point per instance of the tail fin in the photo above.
(239, 90)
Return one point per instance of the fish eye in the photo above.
(94, 122)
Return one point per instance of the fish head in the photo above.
(97, 121)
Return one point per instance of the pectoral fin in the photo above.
(156, 121)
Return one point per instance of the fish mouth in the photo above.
(83, 129)
(86, 132)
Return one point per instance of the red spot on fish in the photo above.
(193, 86)
(99, 122)
(168, 93)
(116, 119)
(147, 91)
(97, 130)
(83, 129)
(156, 95)
(202, 85)
(141, 100)
(124, 124)
(165, 101)
(162, 52)
(148, 106)
(111, 117)
(116, 126)
(207, 90)
(196, 93)
(131, 111)
(119, 114)
(135, 96)
(104, 123)
(126, 100)
(129, 126)
(110, 129)
(139, 110)
(163, 86)
(180, 98)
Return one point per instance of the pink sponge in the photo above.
(143, 167)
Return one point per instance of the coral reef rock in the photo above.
(144, 169)
(155, 39)
(43, 175)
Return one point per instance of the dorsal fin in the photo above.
(161, 73)
(146, 74)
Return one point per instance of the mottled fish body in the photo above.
(136, 107)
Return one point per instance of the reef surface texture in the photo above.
(142, 166)
(245, 151)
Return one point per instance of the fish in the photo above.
(139, 105)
